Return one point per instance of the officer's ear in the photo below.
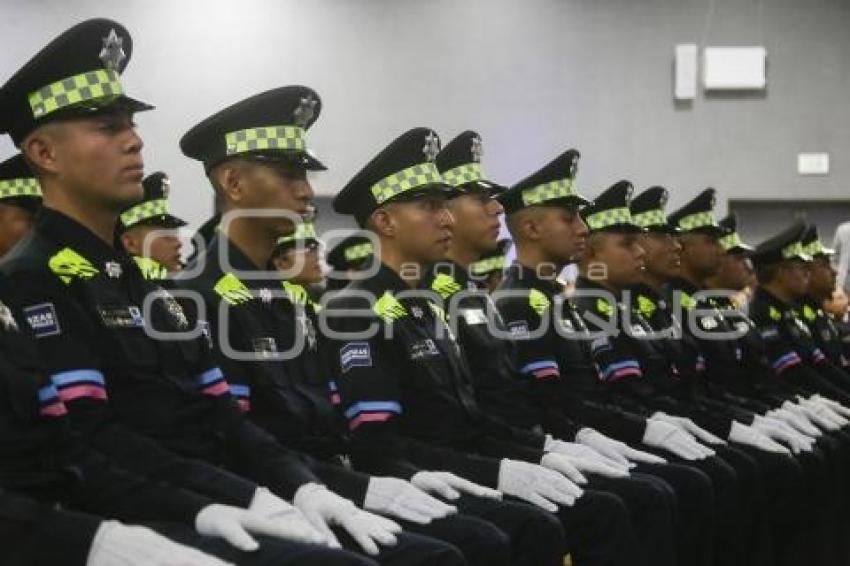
(382, 222)
(229, 181)
(523, 226)
(130, 242)
(39, 148)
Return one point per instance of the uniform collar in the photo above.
(65, 231)
(385, 279)
(646, 291)
(530, 279)
(763, 295)
(583, 282)
(682, 284)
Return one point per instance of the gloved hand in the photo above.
(117, 544)
(777, 430)
(271, 507)
(614, 449)
(831, 404)
(796, 421)
(235, 525)
(821, 415)
(450, 486)
(537, 485)
(562, 465)
(660, 434)
(586, 459)
(324, 508)
(743, 434)
(402, 500)
(689, 426)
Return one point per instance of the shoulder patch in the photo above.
(687, 301)
(774, 313)
(355, 354)
(604, 307)
(538, 301)
(151, 269)
(69, 265)
(231, 289)
(646, 306)
(445, 285)
(809, 313)
(389, 308)
(43, 320)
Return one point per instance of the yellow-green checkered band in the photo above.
(143, 211)
(463, 174)
(812, 248)
(266, 137)
(650, 218)
(610, 217)
(28, 187)
(406, 180)
(697, 220)
(488, 265)
(548, 191)
(303, 231)
(795, 251)
(99, 85)
(358, 251)
(731, 241)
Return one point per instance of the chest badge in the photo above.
(113, 269)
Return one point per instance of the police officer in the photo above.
(347, 257)
(148, 231)
(83, 300)
(489, 270)
(20, 197)
(499, 386)
(267, 317)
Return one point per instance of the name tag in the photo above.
(128, 316)
(424, 350)
(473, 316)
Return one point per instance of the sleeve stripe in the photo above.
(48, 393)
(240, 390)
(369, 417)
(244, 405)
(77, 391)
(622, 369)
(818, 355)
(216, 389)
(547, 364)
(75, 376)
(373, 407)
(210, 376)
(790, 359)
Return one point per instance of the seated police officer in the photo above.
(20, 197)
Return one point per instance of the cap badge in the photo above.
(305, 111)
(112, 53)
(432, 146)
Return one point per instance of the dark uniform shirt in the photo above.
(91, 311)
(278, 374)
(824, 331)
(553, 349)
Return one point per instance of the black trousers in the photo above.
(536, 536)
(651, 502)
(482, 543)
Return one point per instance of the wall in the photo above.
(533, 76)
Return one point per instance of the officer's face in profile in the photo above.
(560, 232)
(476, 221)
(821, 278)
(701, 253)
(302, 263)
(96, 160)
(793, 277)
(734, 273)
(419, 230)
(162, 246)
(15, 222)
(622, 255)
(662, 254)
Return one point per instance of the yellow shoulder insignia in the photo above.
(646, 306)
(389, 308)
(809, 313)
(68, 264)
(296, 293)
(232, 290)
(604, 307)
(445, 285)
(774, 314)
(688, 301)
(440, 312)
(538, 301)
(151, 269)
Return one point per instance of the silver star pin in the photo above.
(112, 53)
(113, 269)
(432, 146)
(266, 296)
(663, 199)
(305, 111)
(477, 150)
(165, 187)
(574, 166)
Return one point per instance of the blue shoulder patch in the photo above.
(355, 354)
(42, 319)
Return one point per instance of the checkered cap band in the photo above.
(405, 180)
(359, 251)
(815, 248)
(697, 220)
(143, 211)
(610, 217)
(266, 137)
(650, 218)
(731, 241)
(463, 174)
(483, 266)
(548, 191)
(102, 84)
(795, 250)
(303, 231)
(28, 187)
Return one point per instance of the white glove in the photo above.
(271, 507)
(324, 508)
(829, 403)
(690, 427)
(117, 544)
(617, 451)
(537, 485)
(743, 434)
(660, 434)
(403, 500)
(234, 524)
(818, 413)
(797, 420)
(586, 459)
(450, 486)
(562, 465)
(777, 430)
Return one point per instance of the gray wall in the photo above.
(533, 76)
